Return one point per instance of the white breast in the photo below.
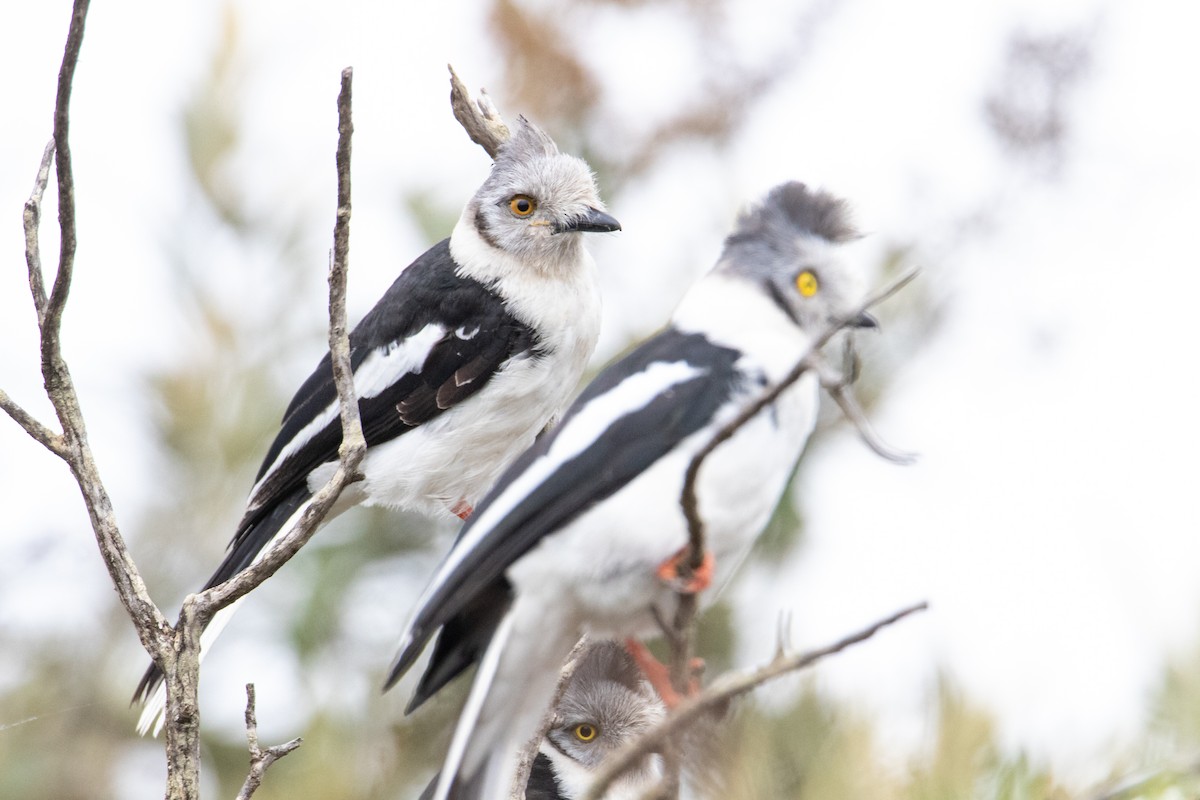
(604, 562)
(459, 454)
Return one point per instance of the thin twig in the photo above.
(66, 178)
(679, 641)
(722, 690)
(530, 750)
(353, 445)
(480, 119)
(260, 760)
(72, 446)
(839, 390)
(32, 218)
(39, 432)
(688, 498)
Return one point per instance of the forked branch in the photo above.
(260, 759)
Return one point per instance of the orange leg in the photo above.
(668, 573)
(659, 674)
(462, 509)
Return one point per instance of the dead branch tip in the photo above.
(480, 119)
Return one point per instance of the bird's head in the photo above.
(606, 704)
(791, 244)
(537, 201)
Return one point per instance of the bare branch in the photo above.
(174, 650)
(72, 446)
(679, 640)
(480, 119)
(839, 390)
(66, 178)
(530, 750)
(33, 219)
(722, 690)
(39, 432)
(260, 760)
(353, 445)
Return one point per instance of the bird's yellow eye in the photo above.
(585, 732)
(522, 205)
(806, 283)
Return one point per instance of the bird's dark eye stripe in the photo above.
(779, 300)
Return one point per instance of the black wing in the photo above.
(481, 335)
(464, 602)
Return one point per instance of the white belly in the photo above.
(604, 563)
(459, 454)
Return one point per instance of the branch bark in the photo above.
(72, 444)
(480, 118)
(260, 760)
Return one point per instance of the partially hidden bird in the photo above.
(606, 703)
(583, 533)
(472, 351)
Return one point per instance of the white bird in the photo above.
(577, 534)
(476, 346)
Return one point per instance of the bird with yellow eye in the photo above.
(584, 732)
(806, 283)
(606, 703)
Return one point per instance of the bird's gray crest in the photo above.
(796, 229)
(527, 142)
(792, 208)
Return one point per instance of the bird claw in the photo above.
(462, 509)
(658, 674)
(698, 580)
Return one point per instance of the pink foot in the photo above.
(668, 573)
(659, 674)
(462, 509)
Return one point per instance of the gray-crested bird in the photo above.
(606, 703)
(579, 533)
(474, 348)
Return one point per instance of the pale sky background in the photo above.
(1051, 521)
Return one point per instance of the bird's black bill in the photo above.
(593, 221)
(864, 320)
